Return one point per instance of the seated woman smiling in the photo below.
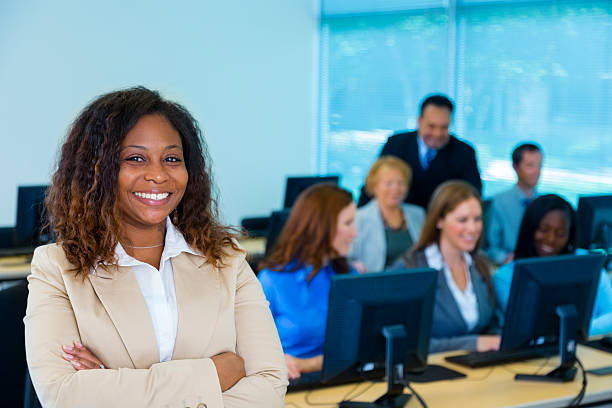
(311, 248)
(465, 314)
(548, 228)
(146, 299)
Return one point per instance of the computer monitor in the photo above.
(594, 222)
(295, 186)
(377, 324)
(30, 211)
(551, 301)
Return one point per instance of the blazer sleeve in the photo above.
(50, 323)
(259, 345)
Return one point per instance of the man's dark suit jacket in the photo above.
(456, 160)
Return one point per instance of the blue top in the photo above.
(504, 222)
(299, 307)
(601, 320)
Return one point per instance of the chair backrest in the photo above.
(486, 217)
(13, 301)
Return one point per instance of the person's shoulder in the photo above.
(50, 253)
(460, 145)
(415, 210)
(368, 210)
(503, 196)
(402, 136)
(285, 273)
(49, 262)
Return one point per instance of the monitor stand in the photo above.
(568, 325)
(394, 367)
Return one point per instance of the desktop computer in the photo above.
(28, 231)
(594, 222)
(549, 308)
(295, 186)
(379, 324)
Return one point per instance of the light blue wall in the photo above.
(245, 69)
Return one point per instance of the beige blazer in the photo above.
(219, 309)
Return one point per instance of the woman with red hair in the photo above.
(312, 247)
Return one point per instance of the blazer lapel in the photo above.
(448, 304)
(198, 289)
(122, 298)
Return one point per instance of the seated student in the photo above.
(464, 314)
(549, 228)
(386, 226)
(311, 248)
(508, 207)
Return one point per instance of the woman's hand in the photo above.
(80, 357)
(230, 369)
(360, 266)
(488, 342)
(297, 366)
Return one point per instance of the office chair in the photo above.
(13, 301)
(486, 218)
(30, 397)
(275, 226)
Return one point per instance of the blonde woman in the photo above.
(386, 226)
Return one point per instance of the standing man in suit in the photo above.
(434, 154)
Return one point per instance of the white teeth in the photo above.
(149, 196)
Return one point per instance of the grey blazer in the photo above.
(370, 246)
(449, 331)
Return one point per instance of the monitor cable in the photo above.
(335, 403)
(416, 394)
(578, 399)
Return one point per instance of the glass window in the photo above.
(535, 71)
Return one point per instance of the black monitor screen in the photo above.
(30, 210)
(539, 285)
(275, 226)
(595, 222)
(361, 305)
(295, 186)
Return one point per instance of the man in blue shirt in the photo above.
(508, 207)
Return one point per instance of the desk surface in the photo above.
(14, 267)
(483, 387)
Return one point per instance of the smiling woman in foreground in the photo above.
(146, 299)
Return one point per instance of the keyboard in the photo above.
(490, 358)
(307, 381)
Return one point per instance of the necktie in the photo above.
(429, 156)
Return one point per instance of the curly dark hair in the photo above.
(82, 199)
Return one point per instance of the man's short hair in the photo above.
(439, 100)
(517, 153)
